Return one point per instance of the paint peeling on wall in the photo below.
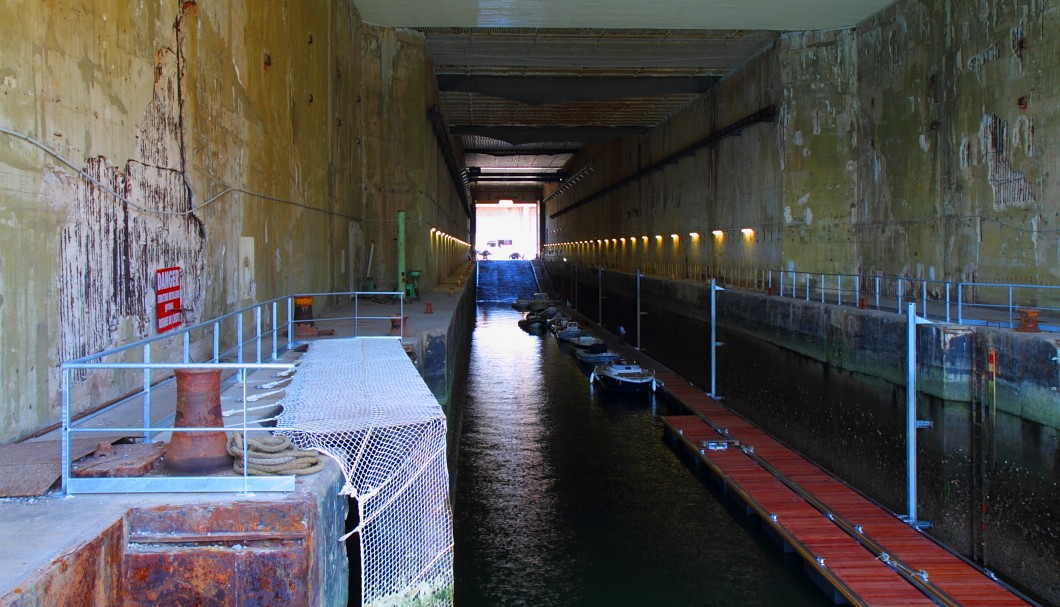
(109, 252)
(978, 60)
(1009, 187)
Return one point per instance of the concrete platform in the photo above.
(224, 548)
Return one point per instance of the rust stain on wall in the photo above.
(109, 250)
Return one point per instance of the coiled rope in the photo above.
(272, 454)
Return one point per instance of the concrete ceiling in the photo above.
(525, 83)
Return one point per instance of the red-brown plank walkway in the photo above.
(790, 493)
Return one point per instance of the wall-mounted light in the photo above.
(748, 232)
(694, 234)
(718, 233)
(623, 239)
(433, 230)
(674, 236)
(658, 237)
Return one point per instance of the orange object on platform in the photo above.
(198, 406)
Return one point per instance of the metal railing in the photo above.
(249, 348)
(970, 303)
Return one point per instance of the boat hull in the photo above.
(623, 386)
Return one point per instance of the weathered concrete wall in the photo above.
(260, 148)
(914, 145)
(402, 165)
(958, 105)
(818, 156)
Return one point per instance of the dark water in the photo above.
(564, 496)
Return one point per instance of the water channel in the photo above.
(566, 496)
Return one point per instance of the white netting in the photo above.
(362, 402)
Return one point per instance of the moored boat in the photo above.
(586, 341)
(597, 353)
(533, 323)
(570, 330)
(624, 377)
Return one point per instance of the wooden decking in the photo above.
(865, 553)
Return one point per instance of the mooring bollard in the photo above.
(198, 406)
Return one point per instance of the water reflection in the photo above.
(567, 496)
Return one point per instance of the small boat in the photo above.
(584, 342)
(597, 353)
(536, 303)
(534, 323)
(624, 377)
(571, 330)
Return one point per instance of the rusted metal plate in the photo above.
(219, 554)
(120, 460)
(29, 469)
(213, 575)
(84, 576)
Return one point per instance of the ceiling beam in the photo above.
(542, 91)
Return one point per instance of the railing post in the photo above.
(857, 290)
(257, 334)
(216, 341)
(187, 346)
(947, 302)
(822, 288)
(290, 322)
(147, 393)
(960, 312)
(66, 428)
(356, 311)
(806, 277)
(274, 329)
(839, 288)
(794, 285)
(898, 295)
(1010, 323)
(781, 283)
(910, 413)
(923, 298)
(877, 292)
(714, 343)
(239, 348)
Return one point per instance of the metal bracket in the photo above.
(916, 524)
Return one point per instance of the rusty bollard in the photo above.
(1028, 320)
(198, 406)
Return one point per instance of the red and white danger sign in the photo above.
(167, 292)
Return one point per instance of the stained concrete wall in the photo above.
(914, 145)
(261, 148)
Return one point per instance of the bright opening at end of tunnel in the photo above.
(506, 229)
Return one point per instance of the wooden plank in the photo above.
(30, 468)
(120, 461)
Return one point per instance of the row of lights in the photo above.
(718, 234)
(441, 234)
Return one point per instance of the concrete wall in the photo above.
(316, 120)
(914, 145)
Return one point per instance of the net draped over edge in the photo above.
(362, 402)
